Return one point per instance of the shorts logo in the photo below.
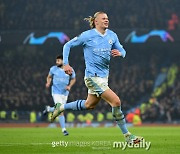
(110, 41)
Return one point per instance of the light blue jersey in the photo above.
(60, 80)
(97, 51)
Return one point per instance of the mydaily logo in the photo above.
(123, 145)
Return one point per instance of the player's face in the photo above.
(102, 21)
(59, 62)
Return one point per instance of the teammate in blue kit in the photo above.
(99, 44)
(61, 86)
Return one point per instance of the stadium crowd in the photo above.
(68, 14)
(23, 77)
(166, 106)
(23, 69)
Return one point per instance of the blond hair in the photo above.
(91, 19)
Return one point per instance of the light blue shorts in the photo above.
(96, 85)
(58, 98)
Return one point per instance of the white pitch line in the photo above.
(23, 144)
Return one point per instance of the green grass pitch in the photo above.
(165, 140)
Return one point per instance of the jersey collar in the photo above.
(100, 33)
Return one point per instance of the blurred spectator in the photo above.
(68, 14)
(173, 22)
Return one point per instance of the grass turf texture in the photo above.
(39, 140)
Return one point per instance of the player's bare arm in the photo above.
(48, 81)
(72, 82)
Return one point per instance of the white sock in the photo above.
(63, 129)
(127, 134)
(48, 108)
(62, 107)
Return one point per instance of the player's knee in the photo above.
(116, 102)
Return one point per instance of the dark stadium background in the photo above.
(146, 80)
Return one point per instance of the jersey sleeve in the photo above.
(118, 46)
(78, 40)
(51, 71)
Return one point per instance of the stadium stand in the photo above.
(23, 75)
(43, 15)
(148, 78)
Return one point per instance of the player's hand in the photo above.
(68, 69)
(68, 88)
(115, 53)
(47, 85)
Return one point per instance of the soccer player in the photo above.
(99, 44)
(61, 86)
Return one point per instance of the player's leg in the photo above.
(110, 97)
(48, 109)
(94, 91)
(95, 87)
(89, 103)
(62, 124)
(61, 99)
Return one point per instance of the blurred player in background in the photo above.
(99, 45)
(61, 86)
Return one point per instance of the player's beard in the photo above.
(60, 65)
